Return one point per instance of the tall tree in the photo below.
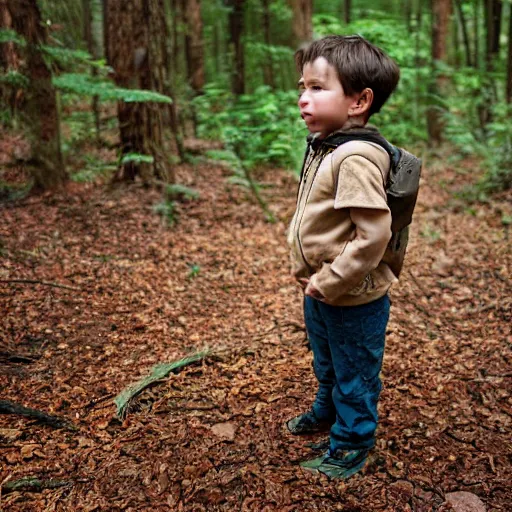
(93, 36)
(137, 51)
(40, 111)
(9, 61)
(302, 24)
(508, 91)
(464, 29)
(347, 11)
(268, 71)
(236, 30)
(194, 47)
(493, 11)
(440, 27)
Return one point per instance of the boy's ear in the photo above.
(362, 103)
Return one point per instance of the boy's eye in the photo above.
(316, 88)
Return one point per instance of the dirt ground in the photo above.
(211, 438)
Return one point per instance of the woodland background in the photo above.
(149, 157)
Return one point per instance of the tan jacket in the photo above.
(342, 224)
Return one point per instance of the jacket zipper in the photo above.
(298, 220)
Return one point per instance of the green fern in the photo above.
(167, 210)
(178, 191)
(85, 85)
(10, 36)
(137, 158)
(14, 79)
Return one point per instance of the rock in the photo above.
(225, 430)
(462, 501)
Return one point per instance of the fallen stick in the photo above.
(158, 372)
(33, 484)
(8, 407)
(36, 281)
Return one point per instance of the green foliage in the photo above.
(14, 79)
(178, 191)
(498, 157)
(167, 210)
(66, 58)
(431, 234)
(491, 143)
(13, 191)
(94, 169)
(136, 158)
(10, 36)
(263, 128)
(85, 85)
(68, 15)
(194, 271)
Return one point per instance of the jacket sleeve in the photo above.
(360, 188)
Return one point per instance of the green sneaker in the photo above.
(308, 423)
(343, 465)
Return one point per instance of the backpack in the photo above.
(401, 188)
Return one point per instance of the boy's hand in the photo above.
(303, 281)
(311, 291)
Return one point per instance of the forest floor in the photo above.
(211, 437)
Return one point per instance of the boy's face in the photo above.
(322, 101)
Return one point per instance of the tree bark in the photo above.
(137, 51)
(302, 24)
(464, 29)
(493, 10)
(90, 9)
(347, 11)
(508, 92)
(40, 110)
(476, 30)
(194, 46)
(9, 61)
(440, 28)
(268, 71)
(236, 29)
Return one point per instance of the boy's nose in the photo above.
(303, 99)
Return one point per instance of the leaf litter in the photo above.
(211, 437)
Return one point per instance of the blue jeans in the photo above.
(348, 347)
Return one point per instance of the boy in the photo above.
(338, 237)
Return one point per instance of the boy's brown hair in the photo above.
(358, 63)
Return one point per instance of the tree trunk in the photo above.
(9, 61)
(40, 109)
(90, 11)
(303, 21)
(418, 61)
(493, 10)
(268, 72)
(464, 29)
(194, 46)
(440, 28)
(137, 51)
(236, 29)
(347, 11)
(508, 93)
(476, 25)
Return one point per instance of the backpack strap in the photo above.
(365, 135)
